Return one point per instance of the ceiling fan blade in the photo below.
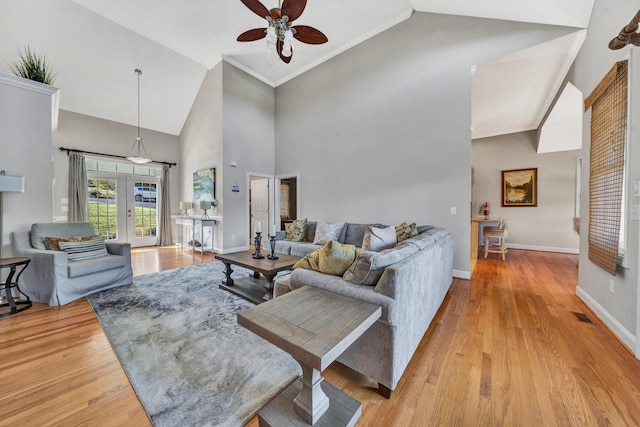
(256, 7)
(285, 59)
(309, 35)
(252, 35)
(293, 8)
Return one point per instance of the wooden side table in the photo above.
(314, 326)
(9, 284)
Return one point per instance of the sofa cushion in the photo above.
(333, 258)
(58, 229)
(296, 230)
(77, 251)
(90, 266)
(405, 231)
(326, 232)
(369, 265)
(378, 239)
(355, 233)
(303, 249)
(53, 243)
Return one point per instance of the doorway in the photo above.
(124, 208)
(260, 203)
(287, 198)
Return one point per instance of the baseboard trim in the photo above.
(231, 250)
(544, 248)
(462, 274)
(616, 327)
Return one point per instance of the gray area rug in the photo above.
(190, 363)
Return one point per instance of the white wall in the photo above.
(619, 309)
(381, 133)
(25, 150)
(103, 136)
(548, 226)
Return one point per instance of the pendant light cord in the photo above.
(138, 72)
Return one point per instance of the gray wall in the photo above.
(548, 226)
(201, 142)
(232, 120)
(619, 309)
(25, 150)
(248, 124)
(103, 136)
(381, 133)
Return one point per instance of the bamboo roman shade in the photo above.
(608, 103)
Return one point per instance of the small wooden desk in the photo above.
(314, 326)
(475, 224)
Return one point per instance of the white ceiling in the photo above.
(95, 45)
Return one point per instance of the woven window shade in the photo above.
(608, 104)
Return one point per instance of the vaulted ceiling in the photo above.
(95, 45)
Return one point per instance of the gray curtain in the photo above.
(166, 236)
(78, 194)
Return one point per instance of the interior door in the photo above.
(259, 206)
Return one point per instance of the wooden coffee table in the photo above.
(254, 289)
(314, 326)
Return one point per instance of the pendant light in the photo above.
(138, 154)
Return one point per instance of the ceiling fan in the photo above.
(279, 32)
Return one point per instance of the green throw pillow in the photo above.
(296, 230)
(333, 258)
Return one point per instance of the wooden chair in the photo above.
(499, 235)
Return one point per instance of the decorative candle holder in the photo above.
(257, 254)
(272, 242)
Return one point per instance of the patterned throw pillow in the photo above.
(327, 231)
(377, 239)
(53, 243)
(405, 231)
(296, 230)
(77, 251)
(333, 258)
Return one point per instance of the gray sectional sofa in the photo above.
(409, 281)
(52, 279)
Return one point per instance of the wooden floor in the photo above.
(504, 350)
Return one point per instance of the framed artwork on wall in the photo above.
(520, 187)
(204, 185)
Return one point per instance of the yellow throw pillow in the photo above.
(296, 230)
(333, 258)
(405, 231)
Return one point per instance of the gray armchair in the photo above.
(52, 279)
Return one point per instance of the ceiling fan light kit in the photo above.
(279, 33)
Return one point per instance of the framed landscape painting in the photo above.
(520, 187)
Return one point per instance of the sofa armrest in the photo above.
(115, 248)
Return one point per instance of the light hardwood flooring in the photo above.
(504, 350)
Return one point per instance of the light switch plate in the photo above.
(453, 210)
(636, 188)
(635, 212)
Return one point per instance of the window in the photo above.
(608, 103)
(103, 206)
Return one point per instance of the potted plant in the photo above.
(33, 67)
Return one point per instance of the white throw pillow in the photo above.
(378, 239)
(327, 231)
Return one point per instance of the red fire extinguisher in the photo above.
(485, 209)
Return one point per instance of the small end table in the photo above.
(9, 284)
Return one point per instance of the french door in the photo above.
(124, 208)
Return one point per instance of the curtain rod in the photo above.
(68, 150)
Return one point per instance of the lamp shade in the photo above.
(11, 184)
(185, 205)
(205, 204)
